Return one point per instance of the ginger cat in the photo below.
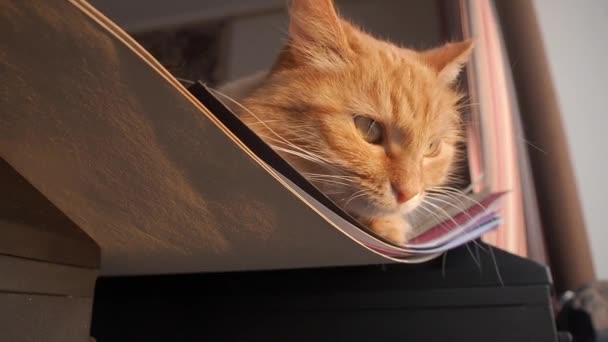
(374, 126)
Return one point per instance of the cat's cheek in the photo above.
(393, 228)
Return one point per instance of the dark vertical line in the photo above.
(554, 180)
(451, 28)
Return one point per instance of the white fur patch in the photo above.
(411, 204)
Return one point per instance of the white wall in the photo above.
(576, 39)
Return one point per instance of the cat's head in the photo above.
(371, 124)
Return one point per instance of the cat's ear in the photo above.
(449, 59)
(315, 31)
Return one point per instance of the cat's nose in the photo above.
(403, 195)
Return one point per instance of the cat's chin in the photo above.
(373, 211)
(393, 228)
(389, 223)
(411, 204)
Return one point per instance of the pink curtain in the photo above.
(493, 132)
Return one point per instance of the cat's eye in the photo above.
(370, 130)
(433, 149)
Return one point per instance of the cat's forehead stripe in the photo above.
(299, 106)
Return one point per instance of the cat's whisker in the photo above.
(351, 199)
(438, 219)
(466, 213)
(449, 196)
(444, 262)
(498, 274)
(476, 244)
(459, 193)
(434, 216)
(307, 155)
(304, 154)
(262, 122)
(442, 211)
(329, 176)
(354, 196)
(529, 143)
(449, 188)
(329, 181)
(358, 192)
(477, 262)
(467, 105)
(460, 209)
(297, 154)
(265, 125)
(433, 195)
(455, 206)
(337, 192)
(463, 210)
(298, 147)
